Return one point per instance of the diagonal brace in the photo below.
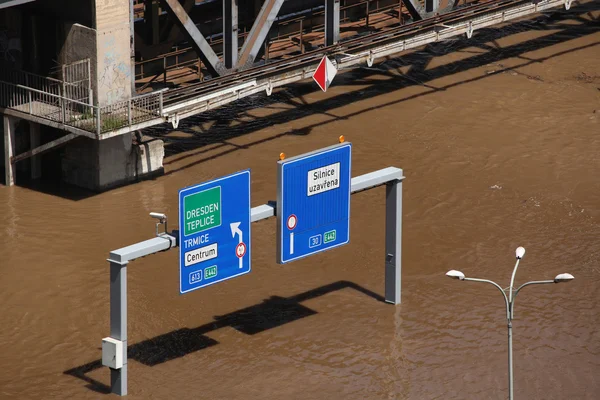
(415, 9)
(44, 148)
(202, 47)
(259, 32)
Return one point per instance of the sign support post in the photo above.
(118, 322)
(393, 241)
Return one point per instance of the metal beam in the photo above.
(45, 147)
(432, 6)
(230, 32)
(202, 47)
(167, 33)
(13, 3)
(332, 21)
(259, 32)
(151, 22)
(414, 9)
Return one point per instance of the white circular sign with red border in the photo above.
(292, 221)
(240, 250)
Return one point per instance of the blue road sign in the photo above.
(313, 202)
(214, 231)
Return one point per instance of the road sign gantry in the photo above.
(214, 231)
(222, 219)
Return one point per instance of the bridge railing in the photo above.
(130, 112)
(51, 105)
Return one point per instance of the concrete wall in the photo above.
(106, 164)
(80, 43)
(113, 46)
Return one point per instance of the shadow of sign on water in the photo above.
(271, 313)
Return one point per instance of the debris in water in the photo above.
(496, 187)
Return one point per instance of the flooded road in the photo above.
(499, 140)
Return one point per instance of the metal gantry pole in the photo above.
(118, 322)
(119, 259)
(393, 242)
(510, 359)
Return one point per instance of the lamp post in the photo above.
(510, 301)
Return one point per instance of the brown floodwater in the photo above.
(499, 139)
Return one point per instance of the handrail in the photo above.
(101, 118)
(283, 23)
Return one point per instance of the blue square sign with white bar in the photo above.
(214, 231)
(313, 202)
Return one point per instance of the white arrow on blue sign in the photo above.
(211, 215)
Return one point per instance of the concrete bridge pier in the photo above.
(99, 31)
(100, 165)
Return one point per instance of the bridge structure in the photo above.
(109, 83)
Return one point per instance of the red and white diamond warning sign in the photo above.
(324, 73)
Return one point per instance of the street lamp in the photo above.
(510, 300)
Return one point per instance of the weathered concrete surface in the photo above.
(113, 49)
(80, 43)
(106, 164)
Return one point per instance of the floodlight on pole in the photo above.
(563, 278)
(509, 301)
(456, 274)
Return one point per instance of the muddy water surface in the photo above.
(499, 140)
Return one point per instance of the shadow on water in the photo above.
(229, 122)
(235, 120)
(271, 313)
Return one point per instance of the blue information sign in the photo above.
(313, 202)
(214, 231)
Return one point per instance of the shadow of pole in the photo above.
(271, 313)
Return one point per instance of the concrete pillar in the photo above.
(230, 32)
(432, 5)
(34, 140)
(101, 165)
(9, 150)
(113, 51)
(332, 22)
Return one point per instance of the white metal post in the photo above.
(393, 241)
(118, 322)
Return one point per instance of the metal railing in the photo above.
(130, 112)
(55, 107)
(311, 21)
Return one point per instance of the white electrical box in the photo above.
(112, 353)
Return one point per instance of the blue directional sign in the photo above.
(214, 231)
(313, 202)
